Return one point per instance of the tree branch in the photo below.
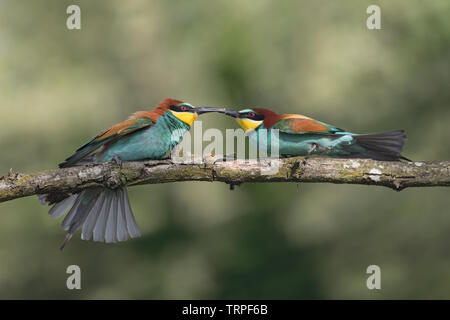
(59, 182)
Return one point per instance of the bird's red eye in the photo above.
(183, 108)
(251, 114)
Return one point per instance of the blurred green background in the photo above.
(201, 240)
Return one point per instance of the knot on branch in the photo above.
(297, 168)
(116, 178)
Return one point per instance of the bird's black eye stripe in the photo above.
(251, 115)
(181, 108)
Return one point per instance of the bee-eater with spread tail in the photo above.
(302, 136)
(105, 214)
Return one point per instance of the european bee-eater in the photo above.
(105, 214)
(302, 136)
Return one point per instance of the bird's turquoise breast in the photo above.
(150, 143)
(339, 144)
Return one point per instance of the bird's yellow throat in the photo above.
(248, 124)
(186, 117)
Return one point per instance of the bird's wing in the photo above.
(298, 124)
(134, 123)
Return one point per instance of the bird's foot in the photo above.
(314, 146)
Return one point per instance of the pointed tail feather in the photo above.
(105, 215)
(66, 240)
(385, 146)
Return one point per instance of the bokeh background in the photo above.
(200, 240)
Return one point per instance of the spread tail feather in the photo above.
(61, 207)
(105, 215)
(385, 146)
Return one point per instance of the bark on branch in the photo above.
(59, 182)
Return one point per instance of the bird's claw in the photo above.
(314, 146)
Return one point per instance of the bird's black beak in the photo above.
(232, 113)
(201, 110)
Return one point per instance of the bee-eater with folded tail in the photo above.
(104, 214)
(302, 136)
